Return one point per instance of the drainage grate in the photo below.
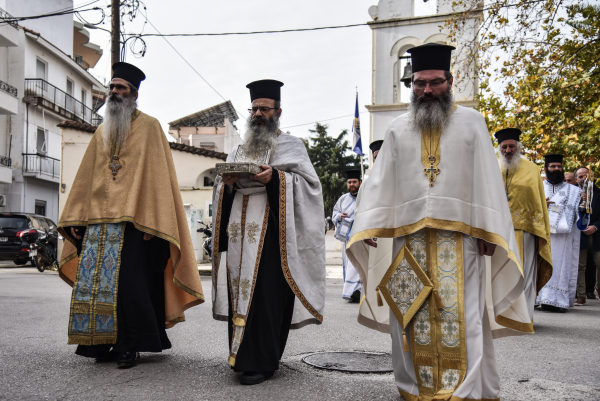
(351, 361)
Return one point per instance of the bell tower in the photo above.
(398, 25)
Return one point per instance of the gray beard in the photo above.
(431, 115)
(506, 164)
(260, 137)
(117, 121)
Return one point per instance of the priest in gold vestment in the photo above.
(128, 252)
(445, 212)
(527, 201)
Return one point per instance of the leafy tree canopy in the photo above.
(538, 70)
(331, 157)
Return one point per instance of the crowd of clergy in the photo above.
(447, 243)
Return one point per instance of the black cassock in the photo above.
(272, 306)
(140, 297)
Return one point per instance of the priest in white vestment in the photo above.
(343, 216)
(558, 295)
(527, 201)
(272, 276)
(436, 190)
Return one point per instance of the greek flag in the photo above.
(357, 143)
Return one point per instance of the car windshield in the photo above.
(13, 222)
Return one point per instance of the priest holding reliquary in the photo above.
(268, 240)
(445, 212)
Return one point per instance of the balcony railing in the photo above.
(7, 18)
(79, 60)
(11, 90)
(50, 97)
(40, 164)
(5, 161)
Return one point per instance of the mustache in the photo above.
(115, 98)
(257, 119)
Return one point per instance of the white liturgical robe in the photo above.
(448, 195)
(564, 244)
(346, 204)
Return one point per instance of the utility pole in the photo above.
(115, 43)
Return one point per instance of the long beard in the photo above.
(431, 112)
(260, 137)
(555, 177)
(509, 164)
(117, 120)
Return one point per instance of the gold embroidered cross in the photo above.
(115, 166)
(432, 171)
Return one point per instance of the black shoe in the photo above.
(355, 297)
(590, 295)
(268, 375)
(107, 357)
(128, 360)
(250, 378)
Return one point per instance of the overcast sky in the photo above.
(320, 69)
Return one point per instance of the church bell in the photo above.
(407, 77)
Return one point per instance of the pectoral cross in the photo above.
(432, 171)
(114, 166)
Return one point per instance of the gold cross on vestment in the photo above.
(114, 166)
(432, 171)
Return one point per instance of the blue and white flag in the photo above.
(356, 143)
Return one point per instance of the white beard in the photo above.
(506, 164)
(117, 121)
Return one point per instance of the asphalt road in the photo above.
(559, 362)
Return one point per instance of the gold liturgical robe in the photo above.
(144, 192)
(527, 202)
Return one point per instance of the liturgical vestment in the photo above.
(269, 257)
(347, 204)
(448, 195)
(527, 201)
(127, 290)
(561, 289)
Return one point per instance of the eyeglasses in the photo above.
(118, 86)
(433, 84)
(263, 110)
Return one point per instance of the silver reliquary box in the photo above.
(245, 164)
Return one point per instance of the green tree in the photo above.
(330, 156)
(538, 68)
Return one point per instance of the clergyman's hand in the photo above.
(343, 216)
(265, 176)
(548, 202)
(74, 233)
(590, 230)
(230, 178)
(148, 237)
(371, 242)
(486, 248)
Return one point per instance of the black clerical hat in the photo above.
(129, 73)
(353, 174)
(553, 158)
(431, 56)
(376, 145)
(508, 133)
(265, 89)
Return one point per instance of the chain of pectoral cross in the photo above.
(433, 171)
(114, 166)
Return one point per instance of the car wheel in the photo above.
(20, 262)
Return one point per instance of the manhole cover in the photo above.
(356, 362)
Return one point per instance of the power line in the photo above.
(320, 121)
(254, 32)
(71, 10)
(191, 66)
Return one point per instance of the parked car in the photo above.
(12, 226)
